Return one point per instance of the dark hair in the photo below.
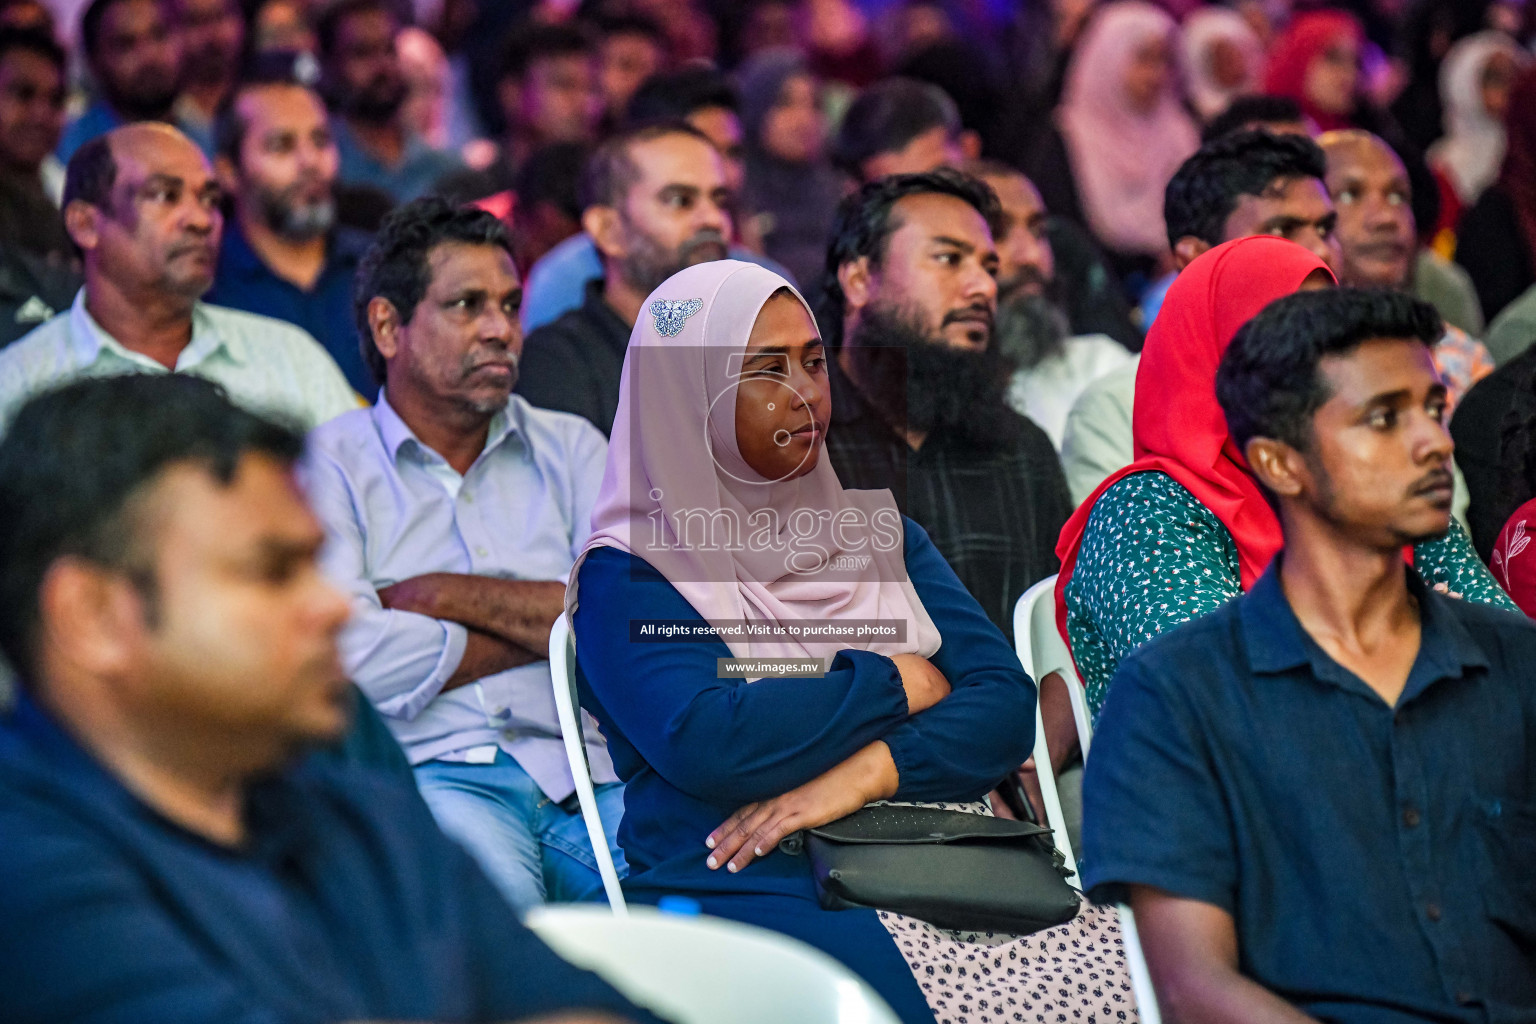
(32, 40)
(1517, 447)
(276, 68)
(90, 26)
(1268, 382)
(673, 96)
(611, 172)
(328, 24)
(888, 115)
(866, 221)
(91, 173)
(550, 175)
(395, 266)
(76, 461)
(530, 42)
(1252, 110)
(609, 25)
(1205, 189)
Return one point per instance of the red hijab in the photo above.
(1177, 425)
(1308, 38)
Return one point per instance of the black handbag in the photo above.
(959, 871)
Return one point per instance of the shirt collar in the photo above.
(90, 339)
(344, 248)
(1276, 642)
(395, 433)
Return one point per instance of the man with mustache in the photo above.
(212, 39)
(142, 206)
(1317, 798)
(366, 90)
(284, 254)
(1053, 365)
(918, 386)
(654, 200)
(134, 56)
(455, 511)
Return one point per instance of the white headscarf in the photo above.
(1202, 31)
(1470, 152)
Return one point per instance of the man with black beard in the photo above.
(212, 38)
(135, 63)
(1033, 330)
(918, 386)
(366, 90)
(654, 200)
(283, 254)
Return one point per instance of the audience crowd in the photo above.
(348, 347)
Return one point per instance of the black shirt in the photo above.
(1377, 861)
(994, 515)
(1478, 430)
(574, 364)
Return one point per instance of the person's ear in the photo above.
(856, 282)
(1278, 466)
(83, 222)
(970, 145)
(384, 325)
(1188, 249)
(601, 223)
(92, 619)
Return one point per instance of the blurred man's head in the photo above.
(1334, 399)
(898, 126)
(142, 205)
(655, 200)
(1251, 183)
(363, 78)
(436, 302)
(1370, 189)
(1031, 325)
(630, 49)
(282, 26)
(278, 158)
(32, 70)
(134, 55)
(212, 38)
(548, 200)
(704, 98)
(548, 86)
(168, 590)
(1278, 114)
(911, 288)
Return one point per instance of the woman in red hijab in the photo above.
(1185, 528)
(1316, 62)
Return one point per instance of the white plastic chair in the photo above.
(700, 970)
(562, 667)
(1042, 651)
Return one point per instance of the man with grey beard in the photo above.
(1052, 367)
(283, 254)
(654, 201)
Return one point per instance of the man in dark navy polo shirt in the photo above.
(169, 855)
(1321, 799)
(283, 254)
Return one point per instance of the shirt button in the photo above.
(1411, 817)
(1465, 998)
(469, 499)
(480, 551)
(1432, 911)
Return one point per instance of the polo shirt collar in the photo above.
(90, 340)
(1277, 643)
(395, 434)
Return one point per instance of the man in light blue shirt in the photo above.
(454, 511)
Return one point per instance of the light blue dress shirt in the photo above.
(420, 167)
(393, 509)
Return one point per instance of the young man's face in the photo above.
(1296, 209)
(1380, 455)
(558, 100)
(239, 632)
(365, 69)
(31, 109)
(138, 57)
(626, 60)
(162, 227)
(940, 265)
(722, 128)
(460, 347)
(212, 34)
(288, 160)
(1375, 204)
(676, 213)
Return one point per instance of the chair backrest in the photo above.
(699, 970)
(1034, 657)
(562, 667)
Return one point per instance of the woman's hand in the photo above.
(924, 683)
(755, 830)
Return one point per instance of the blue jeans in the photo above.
(530, 847)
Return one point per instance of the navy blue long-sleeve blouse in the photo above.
(692, 748)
